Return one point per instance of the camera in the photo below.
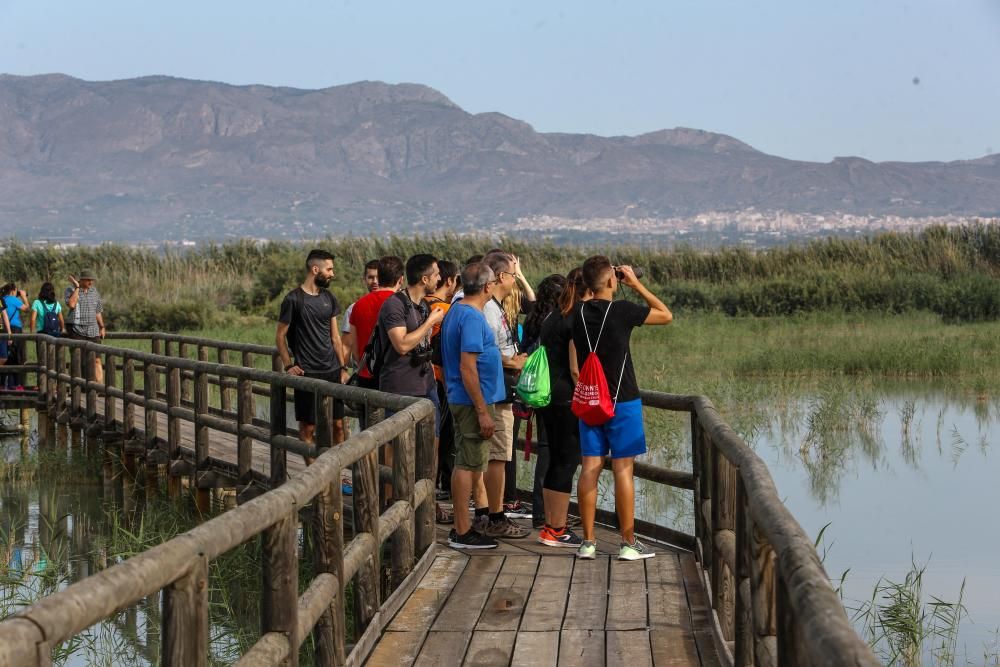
(420, 356)
(637, 270)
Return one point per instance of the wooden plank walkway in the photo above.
(527, 604)
(221, 446)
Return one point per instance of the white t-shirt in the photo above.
(345, 324)
(497, 320)
(459, 295)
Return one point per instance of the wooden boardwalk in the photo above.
(528, 604)
(414, 600)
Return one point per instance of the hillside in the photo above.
(161, 158)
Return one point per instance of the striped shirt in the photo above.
(83, 318)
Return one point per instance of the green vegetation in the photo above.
(952, 272)
(903, 627)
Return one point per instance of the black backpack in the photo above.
(50, 322)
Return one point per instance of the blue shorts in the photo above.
(623, 436)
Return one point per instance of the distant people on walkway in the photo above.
(502, 442)
(441, 300)
(369, 278)
(15, 302)
(46, 312)
(84, 317)
(605, 326)
(473, 375)
(308, 341)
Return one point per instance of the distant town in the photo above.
(750, 228)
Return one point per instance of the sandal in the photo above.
(442, 514)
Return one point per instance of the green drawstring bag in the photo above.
(533, 386)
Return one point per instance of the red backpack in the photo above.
(592, 401)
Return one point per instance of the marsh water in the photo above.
(896, 473)
(894, 476)
(70, 511)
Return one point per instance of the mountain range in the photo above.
(158, 158)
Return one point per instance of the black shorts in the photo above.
(305, 401)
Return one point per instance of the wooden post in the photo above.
(173, 428)
(184, 624)
(42, 376)
(150, 389)
(279, 415)
(225, 394)
(402, 482)
(328, 534)
(763, 591)
(156, 345)
(789, 652)
(128, 387)
(723, 529)
(110, 380)
(279, 586)
(367, 591)
(705, 506)
(426, 468)
(185, 382)
(744, 651)
(56, 395)
(76, 372)
(90, 373)
(244, 416)
(697, 439)
(203, 496)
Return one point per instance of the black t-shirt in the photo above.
(398, 375)
(556, 333)
(309, 319)
(614, 341)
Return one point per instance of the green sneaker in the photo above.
(587, 551)
(634, 551)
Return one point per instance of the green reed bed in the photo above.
(952, 272)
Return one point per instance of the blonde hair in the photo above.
(512, 306)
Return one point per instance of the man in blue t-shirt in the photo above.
(473, 377)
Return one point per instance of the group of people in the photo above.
(430, 328)
(82, 318)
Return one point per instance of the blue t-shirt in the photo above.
(465, 330)
(13, 305)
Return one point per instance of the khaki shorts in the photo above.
(502, 442)
(471, 451)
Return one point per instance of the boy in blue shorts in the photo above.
(609, 324)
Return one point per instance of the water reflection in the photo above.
(902, 474)
(71, 508)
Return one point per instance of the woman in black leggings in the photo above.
(561, 425)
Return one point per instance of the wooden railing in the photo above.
(772, 601)
(179, 567)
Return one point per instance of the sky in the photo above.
(880, 79)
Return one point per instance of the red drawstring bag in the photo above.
(592, 401)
